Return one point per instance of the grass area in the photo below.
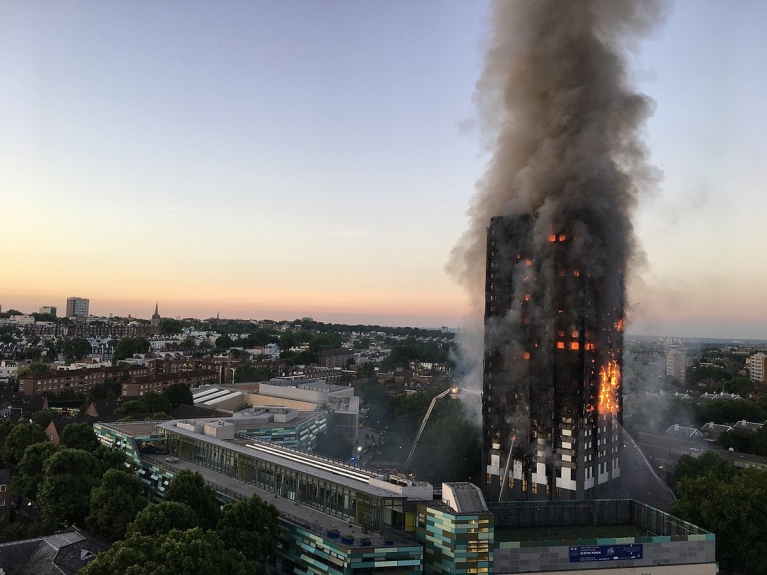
(585, 532)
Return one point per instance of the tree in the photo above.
(26, 528)
(115, 503)
(176, 553)
(381, 411)
(250, 527)
(75, 349)
(410, 409)
(80, 436)
(162, 518)
(29, 472)
(44, 417)
(69, 475)
(109, 458)
(689, 467)
(130, 408)
(178, 394)
(153, 401)
(170, 326)
(363, 343)
(745, 441)
(38, 368)
(251, 373)
(6, 425)
(33, 353)
(190, 489)
(127, 346)
(736, 511)
(449, 450)
(19, 438)
(368, 371)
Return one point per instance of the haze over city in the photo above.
(290, 159)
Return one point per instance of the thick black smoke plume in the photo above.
(564, 127)
(569, 166)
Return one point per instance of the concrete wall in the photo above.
(707, 569)
(695, 552)
(293, 393)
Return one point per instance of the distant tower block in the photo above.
(676, 364)
(551, 404)
(77, 306)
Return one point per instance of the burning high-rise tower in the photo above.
(551, 388)
(567, 169)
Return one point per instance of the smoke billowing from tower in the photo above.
(566, 171)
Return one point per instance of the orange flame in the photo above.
(609, 387)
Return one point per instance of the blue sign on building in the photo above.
(604, 552)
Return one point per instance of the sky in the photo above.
(284, 159)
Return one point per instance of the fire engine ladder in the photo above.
(423, 424)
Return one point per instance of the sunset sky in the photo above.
(281, 159)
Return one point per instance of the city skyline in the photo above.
(280, 161)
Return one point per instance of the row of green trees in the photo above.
(189, 532)
(160, 404)
(80, 481)
(413, 349)
(746, 441)
(729, 502)
(60, 479)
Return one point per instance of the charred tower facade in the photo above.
(552, 362)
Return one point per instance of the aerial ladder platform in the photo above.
(448, 391)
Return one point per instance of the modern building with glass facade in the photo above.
(457, 532)
(338, 519)
(299, 431)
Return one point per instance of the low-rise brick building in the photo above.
(335, 357)
(158, 384)
(80, 381)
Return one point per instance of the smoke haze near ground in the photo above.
(563, 125)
